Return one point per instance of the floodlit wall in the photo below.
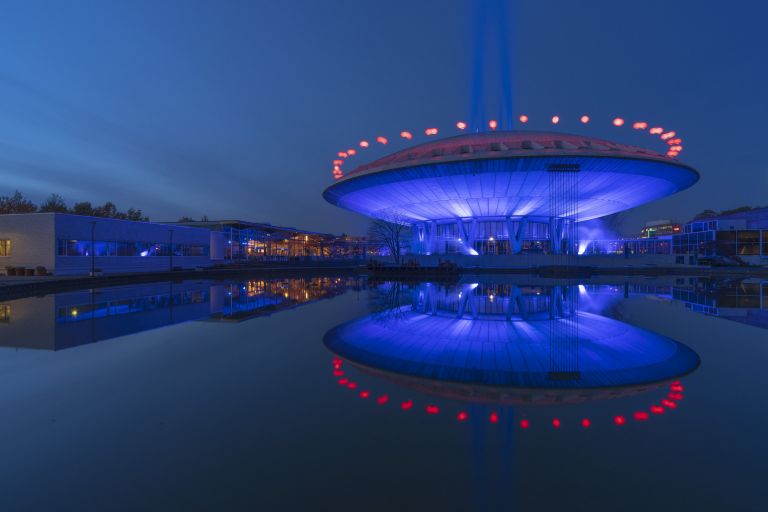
(139, 246)
(31, 239)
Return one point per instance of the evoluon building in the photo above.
(506, 193)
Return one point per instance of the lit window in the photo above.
(5, 247)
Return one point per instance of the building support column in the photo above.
(516, 237)
(467, 235)
(429, 236)
(555, 235)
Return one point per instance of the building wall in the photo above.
(75, 227)
(217, 245)
(32, 240)
(36, 239)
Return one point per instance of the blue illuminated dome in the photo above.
(500, 174)
(453, 190)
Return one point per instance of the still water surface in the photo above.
(333, 393)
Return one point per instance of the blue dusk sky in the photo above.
(235, 109)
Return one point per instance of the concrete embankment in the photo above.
(16, 287)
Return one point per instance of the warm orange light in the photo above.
(336, 168)
(668, 135)
(461, 125)
(338, 162)
(618, 122)
(342, 154)
(381, 140)
(363, 143)
(351, 152)
(585, 119)
(555, 119)
(406, 135)
(672, 153)
(493, 124)
(673, 142)
(675, 148)
(431, 131)
(523, 118)
(656, 130)
(640, 125)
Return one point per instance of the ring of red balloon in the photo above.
(668, 403)
(671, 138)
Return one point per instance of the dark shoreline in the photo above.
(20, 288)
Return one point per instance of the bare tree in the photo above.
(55, 203)
(392, 234)
(16, 203)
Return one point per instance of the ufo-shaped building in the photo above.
(506, 192)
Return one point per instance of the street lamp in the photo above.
(170, 251)
(93, 248)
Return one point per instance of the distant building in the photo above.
(656, 228)
(257, 241)
(65, 244)
(741, 235)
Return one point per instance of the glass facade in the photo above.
(640, 246)
(709, 242)
(134, 249)
(694, 242)
(5, 247)
(491, 237)
(263, 242)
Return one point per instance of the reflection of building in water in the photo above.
(508, 344)
(242, 301)
(65, 320)
(744, 301)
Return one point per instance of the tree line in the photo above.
(17, 203)
(714, 213)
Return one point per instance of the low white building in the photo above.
(66, 244)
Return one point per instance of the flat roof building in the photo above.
(259, 241)
(65, 244)
(741, 236)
